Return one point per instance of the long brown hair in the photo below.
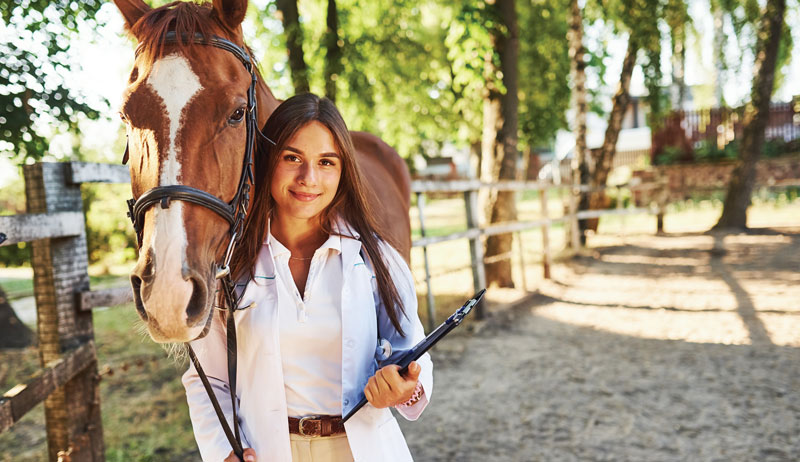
(349, 202)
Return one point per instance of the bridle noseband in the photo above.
(234, 212)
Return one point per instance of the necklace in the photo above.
(301, 258)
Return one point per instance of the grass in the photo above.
(145, 417)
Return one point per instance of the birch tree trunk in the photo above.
(581, 172)
(756, 116)
(605, 159)
(499, 144)
(294, 44)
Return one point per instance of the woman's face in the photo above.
(307, 174)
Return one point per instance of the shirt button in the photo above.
(346, 401)
(350, 343)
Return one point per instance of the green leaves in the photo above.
(33, 62)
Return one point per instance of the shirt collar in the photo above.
(334, 241)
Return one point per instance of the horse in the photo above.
(187, 153)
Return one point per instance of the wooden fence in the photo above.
(474, 233)
(68, 380)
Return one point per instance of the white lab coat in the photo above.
(373, 434)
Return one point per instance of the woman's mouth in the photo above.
(305, 197)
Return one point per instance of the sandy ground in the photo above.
(668, 348)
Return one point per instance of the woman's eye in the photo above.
(237, 116)
(291, 158)
(327, 162)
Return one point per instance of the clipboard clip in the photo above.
(460, 313)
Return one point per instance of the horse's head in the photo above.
(185, 108)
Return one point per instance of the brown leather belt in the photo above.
(317, 425)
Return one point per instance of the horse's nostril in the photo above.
(196, 308)
(136, 285)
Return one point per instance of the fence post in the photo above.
(545, 234)
(518, 234)
(74, 426)
(574, 196)
(475, 249)
(619, 209)
(431, 305)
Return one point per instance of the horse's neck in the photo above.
(266, 101)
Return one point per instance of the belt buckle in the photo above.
(302, 420)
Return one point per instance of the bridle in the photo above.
(234, 212)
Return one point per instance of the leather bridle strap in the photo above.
(233, 212)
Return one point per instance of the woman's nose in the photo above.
(307, 174)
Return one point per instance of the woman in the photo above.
(334, 303)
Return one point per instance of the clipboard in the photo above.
(428, 342)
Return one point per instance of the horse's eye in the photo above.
(123, 118)
(237, 115)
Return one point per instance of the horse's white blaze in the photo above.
(173, 80)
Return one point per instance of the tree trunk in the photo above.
(756, 116)
(581, 172)
(333, 54)
(13, 333)
(605, 159)
(499, 157)
(719, 54)
(294, 44)
(678, 68)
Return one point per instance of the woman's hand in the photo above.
(249, 456)
(388, 388)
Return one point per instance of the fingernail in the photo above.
(249, 458)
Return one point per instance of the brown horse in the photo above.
(181, 108)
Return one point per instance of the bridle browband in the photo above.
(234, 212)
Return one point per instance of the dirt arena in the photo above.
(651, 348)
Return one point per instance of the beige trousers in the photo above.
(320, 448)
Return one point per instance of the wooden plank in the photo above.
(426, 241)
(423, 186)
(30, 227)
(16, 402)
(587, 214)
(106, 297)
(90, 172)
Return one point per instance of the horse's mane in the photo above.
(184, 18)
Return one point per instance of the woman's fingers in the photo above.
(388, 388)
(249, 456)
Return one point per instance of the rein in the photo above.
(234, 212)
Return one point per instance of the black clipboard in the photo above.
(428, 342)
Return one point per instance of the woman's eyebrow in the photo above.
(330, 154)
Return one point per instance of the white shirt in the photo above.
(310, 332)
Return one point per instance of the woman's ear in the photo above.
(230, 12)
(132, 11)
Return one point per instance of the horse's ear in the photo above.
(131, 10)
(230, 12)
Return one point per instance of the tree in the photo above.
(756, 116)
(577, 52)
(640, 19)
(294, 44)
(499, 151)
(34, 97)
(13, 333)
(333, 51)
